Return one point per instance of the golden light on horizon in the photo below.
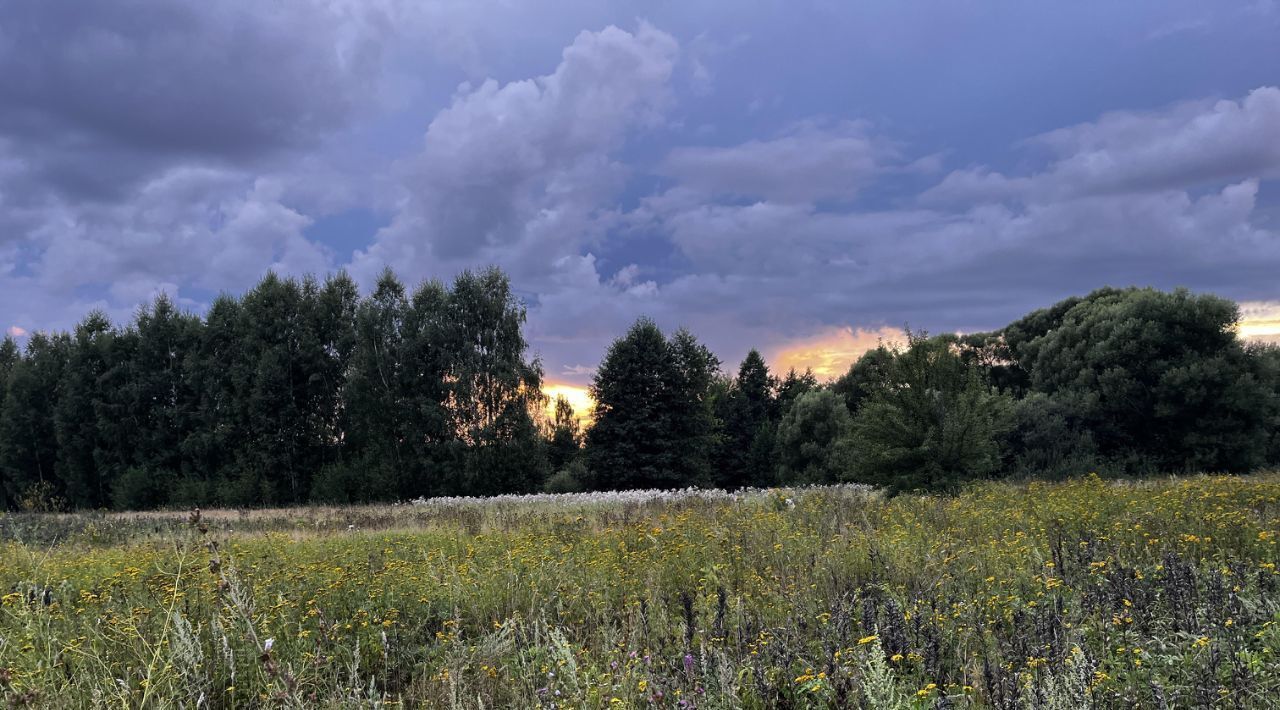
(579, 398)
(1259, 321)
(830, 353)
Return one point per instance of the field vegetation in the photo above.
(1076, 594)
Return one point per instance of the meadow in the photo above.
(1085, 593)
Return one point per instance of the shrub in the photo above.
(567, 480)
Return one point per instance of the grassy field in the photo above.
(1071, 595)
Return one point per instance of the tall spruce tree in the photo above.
(425, 356)
(691, 407)
(631, 444)
(653, 425)
(747, 419)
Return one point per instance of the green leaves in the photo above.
(930, 420)
(811, 444)
(654, 423)
(1158, 378)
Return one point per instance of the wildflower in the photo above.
(867, 639)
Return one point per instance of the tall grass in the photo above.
(1078, 594)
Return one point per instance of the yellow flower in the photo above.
(867, 639)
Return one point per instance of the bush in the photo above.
(40, 497)
(933, 423)
(811, 443)
(1046, 441)
(337, 483)
(567, 480)
(192, 492)
(139, 488)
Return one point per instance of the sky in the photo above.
(805, 178)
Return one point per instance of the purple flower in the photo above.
(688, 663)
(542, 691)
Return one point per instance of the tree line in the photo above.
(297, 391)
(305, 391)
(1119, 382)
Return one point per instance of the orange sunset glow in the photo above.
(579, 398)
(1260, 321)
(830, 353)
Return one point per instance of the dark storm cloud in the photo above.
(153, 146)
(94, 96)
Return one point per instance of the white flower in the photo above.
(266, 645)
(607, 498)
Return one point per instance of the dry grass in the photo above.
(1076, 594)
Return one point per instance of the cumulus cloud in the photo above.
(1162, 198)
(518, 172)
(1181, 147)
(203, 228)
(1185, 146)
(148, 148)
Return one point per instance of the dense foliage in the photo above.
(1084, 594)
(305, 391)
(297, 391)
